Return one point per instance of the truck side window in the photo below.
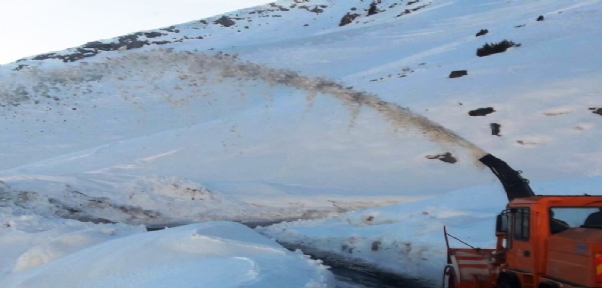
(521, 224)
(557, 225)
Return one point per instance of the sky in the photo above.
(31, 27)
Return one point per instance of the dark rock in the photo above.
(20, 66)
(348, 18)
(375, 245)
(172, 29)
(495, 129)
(373, 9)
(99, 46)
(596, 111)
(161, 42)
(446, 157)
(420, 7)
(130, 42)
(317, 10)
(93, 48)
(493, 48)
(407, 11)
(152, 34)
(458, 73)
(225, 21)
(203, 22)
(540, 18)
(79, 54)
(281, 8)
(45, 56)
(482, 32)
(413, 2)
(520, 26)
(481, 111)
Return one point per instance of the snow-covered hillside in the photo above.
(167, 126)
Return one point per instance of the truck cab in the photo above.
(555, 240)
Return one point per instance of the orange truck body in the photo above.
(528, 254)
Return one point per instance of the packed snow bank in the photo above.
(408, 238)
(212, 254)
(28, 240)
(166, 201)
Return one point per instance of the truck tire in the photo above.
(449, 277)
(507, 280)
(548, 285)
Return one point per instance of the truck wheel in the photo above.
(507, 280)
(449, 277)
(548, 285)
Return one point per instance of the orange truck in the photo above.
(542, 241)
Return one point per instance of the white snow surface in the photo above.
(211, 254)
(145, 136)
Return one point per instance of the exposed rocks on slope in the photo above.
(225, 21)
(482, 32)
(458, 73)
(166, 35)
(408, 11)
(172, 29)
(494, 48)
(446, 157)
(495, 129)
(19, 67)
(481, 111)
(348, 18)
(90, 49)
(373, 9)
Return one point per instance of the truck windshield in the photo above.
(576, 217)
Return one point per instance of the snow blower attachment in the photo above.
(542, 241)
(514, 184)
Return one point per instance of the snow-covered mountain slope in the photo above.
(166, 125)
(102, 123)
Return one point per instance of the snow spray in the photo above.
(207, 68)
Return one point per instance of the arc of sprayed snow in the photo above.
(229, 66)
(397, 115)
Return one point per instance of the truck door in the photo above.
(521, 253)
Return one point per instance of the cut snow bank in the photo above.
(213, 254)
(166, 201)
